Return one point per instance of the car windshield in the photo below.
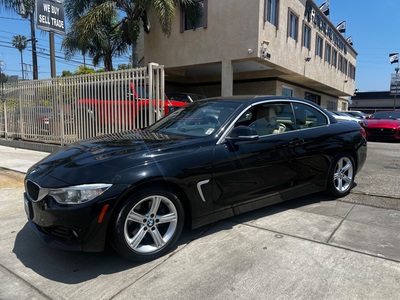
(142, 91)
(40, 110)
(198, 119)
(392, 115)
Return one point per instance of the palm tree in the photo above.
(20, 42)
(102, 44)
(88, 14)
(25, 8)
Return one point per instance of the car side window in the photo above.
(269, 118)
(307, 116)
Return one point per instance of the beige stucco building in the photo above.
(278, 47)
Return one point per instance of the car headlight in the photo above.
(78, 194)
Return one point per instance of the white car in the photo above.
(356, 113)
(341, 116)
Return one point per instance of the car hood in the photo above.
(86, 161)
(382, 123)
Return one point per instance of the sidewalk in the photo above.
(19, 160)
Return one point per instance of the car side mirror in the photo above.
(243, 133)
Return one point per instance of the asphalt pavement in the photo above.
(308, 248)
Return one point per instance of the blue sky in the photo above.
(373, 25)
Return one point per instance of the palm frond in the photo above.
(165, 11)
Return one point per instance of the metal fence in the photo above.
(64, 110)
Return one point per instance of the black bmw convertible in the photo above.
(209, 160)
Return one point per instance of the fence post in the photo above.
(3, 99)
(21, 118)
(150, 91)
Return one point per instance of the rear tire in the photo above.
(148, 225)
(341, 175)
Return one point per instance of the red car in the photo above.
(383, 125)
(113, 108)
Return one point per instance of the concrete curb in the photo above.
(50, 148)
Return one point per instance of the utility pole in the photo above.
(52, 55)
(28, 12)
(33, 40)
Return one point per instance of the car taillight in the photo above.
(44, 120)
(363, 123)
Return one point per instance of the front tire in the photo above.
(341, 175)
(148, 225)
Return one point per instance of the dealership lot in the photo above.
(311, 247)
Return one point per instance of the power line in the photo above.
(15, 19)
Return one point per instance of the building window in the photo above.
(331, 105)
(352, 71)
(328, 51)
(313, 97)
(340, 63)
(306, 37)
(319, 46)
(293, 26)
(334, 58)
(186, 24)
(272, 11)
(287, 92)
(345, 66)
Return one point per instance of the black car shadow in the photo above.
(76, 267)
(64, 266)
(227, 224)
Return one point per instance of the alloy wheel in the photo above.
(150, 224)
(343, 174)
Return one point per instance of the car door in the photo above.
(277, 166)
(309, 147)
(254, 170)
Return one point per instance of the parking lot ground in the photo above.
(308, 248)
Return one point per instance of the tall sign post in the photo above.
(395, 86)
(395, 78)
(50, 17)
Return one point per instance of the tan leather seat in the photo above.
(301, 118)
(265, 122)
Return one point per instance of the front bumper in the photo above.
(68, 228)
(383, 133)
